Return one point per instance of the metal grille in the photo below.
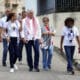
(46, 6)
(67, 5)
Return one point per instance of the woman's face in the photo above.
(70, 24)
(45, 21)
(14, 17)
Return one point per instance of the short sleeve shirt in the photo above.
(70, 35)
(3, 21)
(46, 38)
(12, 28)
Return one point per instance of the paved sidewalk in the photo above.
(58, 71)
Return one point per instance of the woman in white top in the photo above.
(69, 33)
(13, 28)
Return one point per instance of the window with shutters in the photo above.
(49, 6)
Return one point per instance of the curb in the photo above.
(76, 64)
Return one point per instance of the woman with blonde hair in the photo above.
(47, 43)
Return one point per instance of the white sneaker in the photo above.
(12, 70)
(15, 67)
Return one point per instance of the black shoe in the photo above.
(71, 72)
(4, 64)
(30, 70)
(37, 70)
(49, 67)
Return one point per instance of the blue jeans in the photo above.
(47, 56)
(5, 51)
(69, 54)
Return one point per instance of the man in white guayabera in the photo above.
(31, 35)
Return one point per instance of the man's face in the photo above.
(31, 14)
(8, 12)
(24, 14)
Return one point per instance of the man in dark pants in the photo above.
(31, 35)
(5, 44)
(21, 43)
(35, 45)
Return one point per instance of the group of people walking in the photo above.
(27, 31)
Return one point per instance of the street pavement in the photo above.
(58, 71)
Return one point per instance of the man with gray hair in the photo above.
(31, 35)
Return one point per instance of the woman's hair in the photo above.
(45, 18)
(68, 20)
(9, 17)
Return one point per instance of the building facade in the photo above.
(31, 5)
(15, 5)
(58, 11)
(2, 7)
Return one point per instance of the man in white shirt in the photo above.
(5, 44)
(31, 35)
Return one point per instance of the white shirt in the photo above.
(13, 28)
(2, 22)
(29, 36)
(70, 36)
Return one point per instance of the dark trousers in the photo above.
(35, 45)
(13, 50)
(20, 47)
(69, 54)
(5, 51)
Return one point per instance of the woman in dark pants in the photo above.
(13, 28)
(69, 33)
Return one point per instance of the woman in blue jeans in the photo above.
(47, 44)
(69, 33)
